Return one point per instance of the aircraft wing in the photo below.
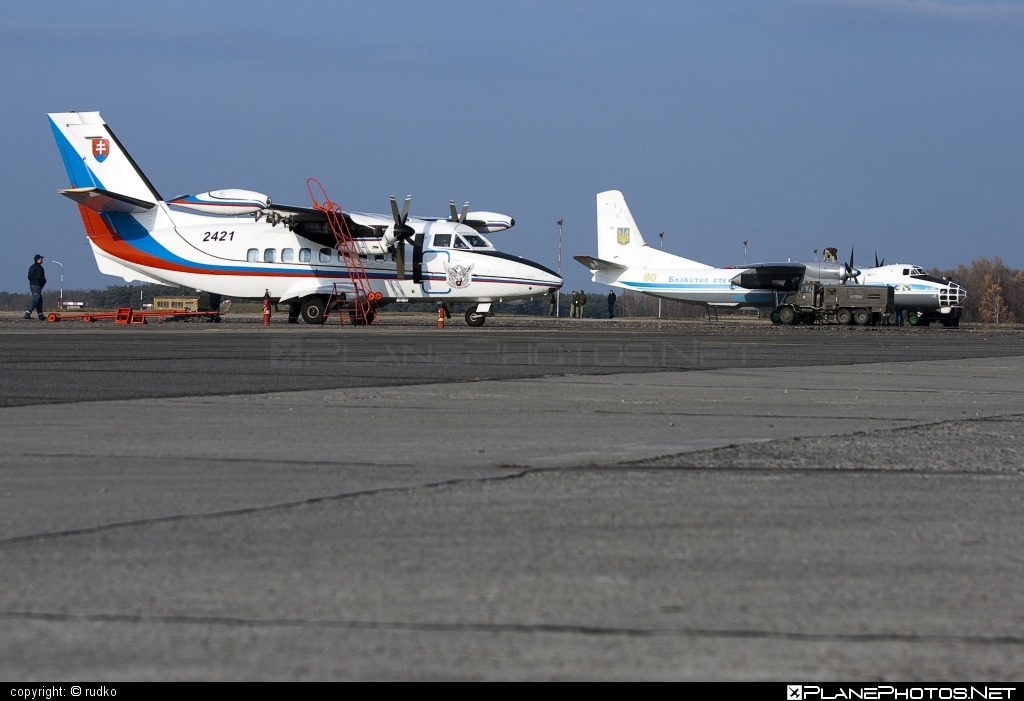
(770, 276)
(598, 264)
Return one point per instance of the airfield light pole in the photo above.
(558, 295)
(661, 235)
(60, 299)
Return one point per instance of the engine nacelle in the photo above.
(228, 203)
(489, 222)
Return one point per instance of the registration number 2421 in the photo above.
(219, 236)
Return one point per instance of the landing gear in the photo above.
(474, 318)
(774, 316)
(313, 310)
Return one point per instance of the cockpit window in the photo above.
(442, 240)
(460, 242)
(917, 271)
(477, 241)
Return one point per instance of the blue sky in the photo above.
(891, 125)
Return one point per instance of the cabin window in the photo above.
(361, 257)
(906, 271)
(379, 259)
(442, 240)
(460, 243)
(325, 255)
(252, 255)
(269, 255)
(477, 241)
(287, 255)
(304, 255)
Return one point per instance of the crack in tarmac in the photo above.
(553, 628)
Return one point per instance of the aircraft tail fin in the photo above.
(94, 158)
(619, 239)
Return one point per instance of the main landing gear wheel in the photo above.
(844, 317)
(774, 316)
(787, 315)
(861, 317)
(473, 318)
(313, 310)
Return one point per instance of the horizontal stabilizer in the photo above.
(598, 264)
(103, 201)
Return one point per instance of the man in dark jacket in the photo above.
(611, 304)
(36, 283)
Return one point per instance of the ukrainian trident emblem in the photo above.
(623, 236)
(100, 149)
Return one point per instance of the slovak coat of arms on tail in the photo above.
(100, 149)
(623, 235)
(458, 275)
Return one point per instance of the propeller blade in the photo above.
(851, 257)
(455, 212)
(405, 208)
(400, 217)
(877, 264)
(465, 211)
(394, 211)
(400, 259)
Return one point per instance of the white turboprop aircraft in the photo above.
(239, 243)
(625, 260)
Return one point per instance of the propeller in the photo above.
(401, 232)
(850, 273)
(456, 217)
(878, 264)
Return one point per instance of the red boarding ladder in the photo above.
(365, 302)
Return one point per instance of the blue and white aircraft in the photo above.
(625, 260)
(239, 243)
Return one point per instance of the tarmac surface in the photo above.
(536, 499)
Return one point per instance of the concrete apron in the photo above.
(73, 466)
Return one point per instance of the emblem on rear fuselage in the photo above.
(100, 149)
(458, 275)
(623, 236)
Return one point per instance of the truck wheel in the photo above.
(787, 315)
(844, 317)
(807, 319)
(474, 319)
(313, 310)
(861, 317)
(774, 316)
